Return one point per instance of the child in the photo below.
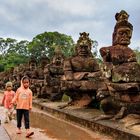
(6, 101)
(23, 100)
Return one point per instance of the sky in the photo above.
(24, 19)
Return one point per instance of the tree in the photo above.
(12, 52)
(137, 52)
(45, 44)
(18, 47)
(3, 47)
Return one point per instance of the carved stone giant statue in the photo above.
(82, 76)
(122, 71)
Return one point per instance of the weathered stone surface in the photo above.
(83, 85)
(122, 71)
(52, 76)
(82, 76)
(126, 72)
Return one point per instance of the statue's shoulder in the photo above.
(72, 58)
(105, 50)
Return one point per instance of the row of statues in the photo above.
(115, 84)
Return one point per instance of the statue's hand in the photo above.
(132, 59)
(100, 95)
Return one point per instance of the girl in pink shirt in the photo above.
(23, 100)
(6, 101)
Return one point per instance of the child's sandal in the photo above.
(29, 134)
(18, 132)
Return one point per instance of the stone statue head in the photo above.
(32, 63)
(84, 43)
(44, 60)
(58, 57)
(122, 30)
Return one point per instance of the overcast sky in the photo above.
(24, 19)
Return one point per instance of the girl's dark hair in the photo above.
(25, 77)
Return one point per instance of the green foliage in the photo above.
(99, 60)
(46, 43)
(94, 48)
(65, 98)
(19, 48)
(14, 59)
(1, 67)
(12, 53)
(137, 52)
(3, 46)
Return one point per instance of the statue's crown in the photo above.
(122, 20)
(32, 60)
(84, 40)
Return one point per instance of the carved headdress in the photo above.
(58, 50)
(32, 60)
(122, 21)
(84, 40)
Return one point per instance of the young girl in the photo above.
(23, 100)
(6, 101)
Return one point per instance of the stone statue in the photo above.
(32, 63)
(52, 76)
(31, 71)
(82, 76)
(37, 75)
(40, 69)
(122, 71)
(44, 60)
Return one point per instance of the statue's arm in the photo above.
(68, 70)
(47, 74)
(105, 53)
(132, 58)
